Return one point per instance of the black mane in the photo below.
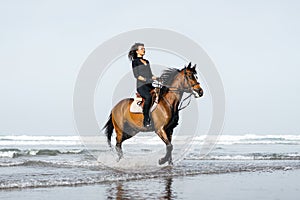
(168, 75)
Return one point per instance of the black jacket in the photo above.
(140, 69)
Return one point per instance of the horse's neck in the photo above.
(174, 97)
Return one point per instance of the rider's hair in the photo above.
(132, 52)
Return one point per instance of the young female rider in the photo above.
(142, 72)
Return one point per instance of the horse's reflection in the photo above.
(168, 189)
(142, 189)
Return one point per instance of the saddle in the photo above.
(138, 101)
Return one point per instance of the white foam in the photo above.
(149, 140)
(130, 162)
(8, 154)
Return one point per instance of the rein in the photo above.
(181, 108)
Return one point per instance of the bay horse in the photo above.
(164, 117)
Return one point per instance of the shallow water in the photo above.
(33, 161)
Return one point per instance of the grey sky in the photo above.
(254, 44)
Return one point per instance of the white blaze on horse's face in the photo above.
(196, 95)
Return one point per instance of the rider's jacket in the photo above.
(140, 69)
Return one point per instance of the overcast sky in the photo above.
(255, 46)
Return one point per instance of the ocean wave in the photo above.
(39, 140)
(251, 139)
(150, 140)
(15, 153)
(54, 164)
(251, 156)
(25, 140)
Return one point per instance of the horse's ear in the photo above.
(194, 67)
(189, 65)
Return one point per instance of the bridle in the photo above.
(181, 90)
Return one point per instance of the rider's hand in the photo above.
(142, 79)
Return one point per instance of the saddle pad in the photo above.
(135, 106)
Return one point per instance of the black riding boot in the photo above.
(145, 93)
(147, 121)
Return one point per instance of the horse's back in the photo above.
(121, 112)
(126, 101)
(123, 104)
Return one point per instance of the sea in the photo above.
(56, 161)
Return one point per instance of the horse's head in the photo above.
(190, 83)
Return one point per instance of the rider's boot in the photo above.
(147, 121)
(146, 110)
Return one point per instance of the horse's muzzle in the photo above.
(198, 93)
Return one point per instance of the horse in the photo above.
(164, 117)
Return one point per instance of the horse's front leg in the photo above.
(169, 147)
(168, 156)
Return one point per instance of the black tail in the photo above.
(109, 127)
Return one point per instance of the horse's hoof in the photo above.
(171, 163)
(118, 159)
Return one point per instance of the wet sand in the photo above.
(242, 185)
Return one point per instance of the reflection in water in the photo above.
(142, 189)
(168, 188)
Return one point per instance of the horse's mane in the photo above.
(168, 75)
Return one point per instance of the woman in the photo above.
(142, 72)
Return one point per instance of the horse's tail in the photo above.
(109, 127)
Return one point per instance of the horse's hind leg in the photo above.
(119, 135)
(119, 145)
(122, 135)
(119, 150)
